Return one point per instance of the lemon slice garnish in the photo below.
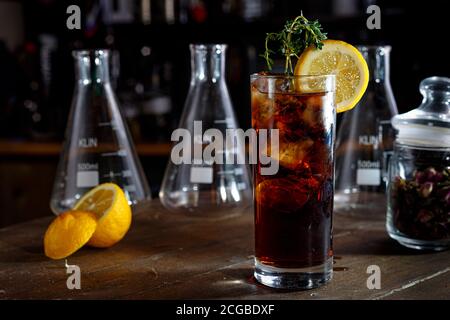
(345, 62)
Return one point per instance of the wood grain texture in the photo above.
(169, 256)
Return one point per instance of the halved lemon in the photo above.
(108, 202)
(343, 60)
(68, 232)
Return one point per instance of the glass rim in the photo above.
(208, 46)
(373, 47)
(289, 76)
(90, 52)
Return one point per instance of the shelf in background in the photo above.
(29, 148)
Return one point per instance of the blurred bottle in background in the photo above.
(155, 103)
(161, 11)
(155, 111)
(15, 118)
(45, 112)
(146, 98)
(255, 9)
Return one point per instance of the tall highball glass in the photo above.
(293, 207)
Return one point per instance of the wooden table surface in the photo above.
(168, 256)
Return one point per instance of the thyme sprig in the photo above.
(296, 36)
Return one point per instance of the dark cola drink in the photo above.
(293, 207)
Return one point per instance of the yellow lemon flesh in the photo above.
(69, 232)
(345, 62)
(108, 202)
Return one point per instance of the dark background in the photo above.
(151, 63)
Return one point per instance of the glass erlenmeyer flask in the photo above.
(98, 147)
(365, 138)
(203, 186)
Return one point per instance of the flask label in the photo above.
(201, 175)
(87, 179)
(87, 143)
(368, 140)
(86, 166)
(368, 173)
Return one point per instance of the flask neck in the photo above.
(377, 58)
(91, 66)
(207, 62)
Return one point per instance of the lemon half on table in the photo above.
(100, 218)
(69, 232)
(345, 62)
(109, 203)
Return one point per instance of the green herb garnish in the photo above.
(296, 36)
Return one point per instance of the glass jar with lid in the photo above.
(418, 213)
